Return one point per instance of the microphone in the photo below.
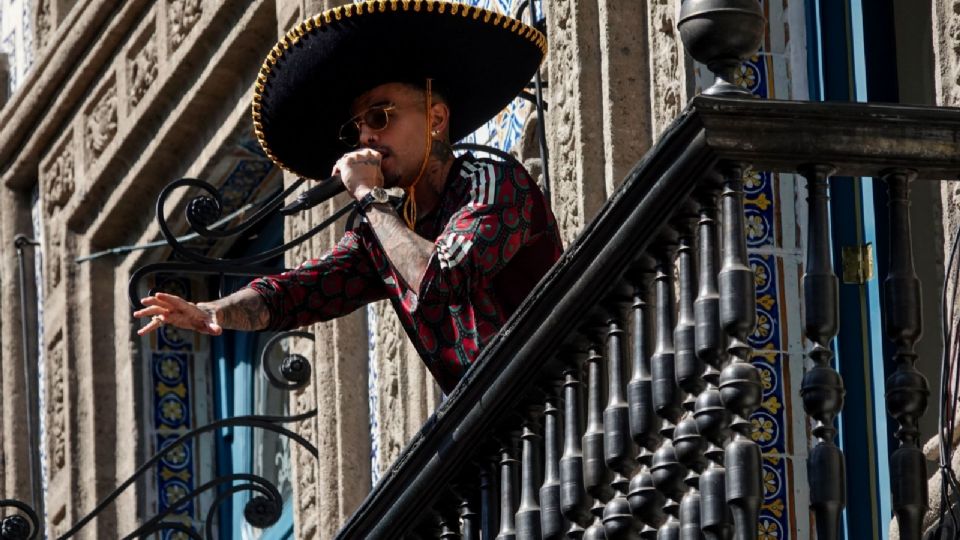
(324, 191)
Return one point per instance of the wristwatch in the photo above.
(377, 195)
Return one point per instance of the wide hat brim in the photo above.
(478, 60)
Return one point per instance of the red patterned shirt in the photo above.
(495, 238)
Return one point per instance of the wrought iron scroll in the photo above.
(269, 423)
(262, 510)
(204, 212)
(294, 369)
(17, 527)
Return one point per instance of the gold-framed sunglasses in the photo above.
(376, 118)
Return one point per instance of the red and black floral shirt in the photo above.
(495, 238)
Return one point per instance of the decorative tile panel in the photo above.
(774, 256)
(171, 362)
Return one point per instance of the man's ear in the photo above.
(440, 118)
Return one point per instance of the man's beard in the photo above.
(390, 178)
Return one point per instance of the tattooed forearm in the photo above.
(242, 310)
(408, 252)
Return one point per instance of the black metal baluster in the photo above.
(667, 471)
(489, 493)
(508, 485)
(469, 509)
(711, 416)
(449, 517)
(428, 528)
(666, 393)
(646, 502)
(690, 368)
(574, 501)
(668, 474)
(644, 422)
(619, 453)
(596, 476)
(689, 447)
(907, 389)
(739, 381)
(552, 524)
(528, 514)
(822, 388)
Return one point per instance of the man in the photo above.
(472, 238)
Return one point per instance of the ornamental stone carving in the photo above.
(54, 248)
(667, 67)
(142, 71)
(305, 467)
(100, 126)
(43, 24)
(182, 15)
(57, 180)
(576, 142)
(56, 405)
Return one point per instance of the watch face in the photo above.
(379, 194)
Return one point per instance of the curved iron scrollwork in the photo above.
(261, 511)
(294, 369)
(204, 212)
(16, 526)
(258, 510)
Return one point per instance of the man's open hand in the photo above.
(169, 309)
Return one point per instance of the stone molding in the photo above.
(37, 111)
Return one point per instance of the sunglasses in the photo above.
(376, 118)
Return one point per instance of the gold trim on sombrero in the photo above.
(330, 16)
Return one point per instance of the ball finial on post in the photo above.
(720, 34)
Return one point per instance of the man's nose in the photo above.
(367, 135)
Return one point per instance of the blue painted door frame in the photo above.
(235, 356)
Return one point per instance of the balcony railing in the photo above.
(615, 402)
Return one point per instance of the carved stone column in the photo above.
(598, 67)
(327, 491)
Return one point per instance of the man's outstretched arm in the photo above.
(242, 310)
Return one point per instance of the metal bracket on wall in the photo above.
(857, 264)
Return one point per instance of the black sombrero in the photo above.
(478, 59)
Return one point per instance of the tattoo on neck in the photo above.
(441, 151)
